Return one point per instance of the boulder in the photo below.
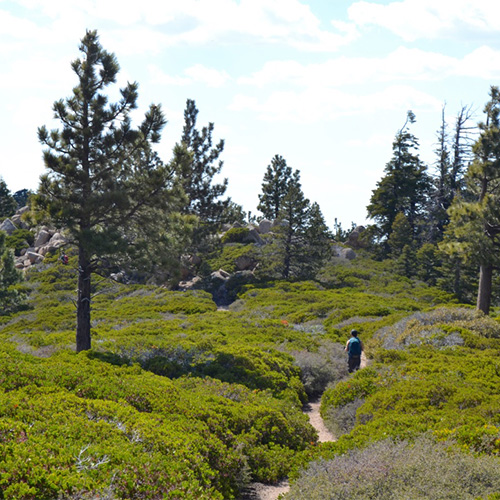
(16, 220)
(43, 237)
(254, 237)
(33, 257)
(58, 237)
(353, 239)
(347, 253)
(119, 277)
(265, 226)
(8, 226)
(244, 263)
(280, 223)
(220, 274)
(48, 249)
(191, 284)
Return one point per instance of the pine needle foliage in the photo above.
(104, 182)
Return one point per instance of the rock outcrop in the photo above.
(8, 226)
(47, 240)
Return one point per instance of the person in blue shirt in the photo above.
(354, 348)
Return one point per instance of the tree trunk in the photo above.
(484, 289)
(83, 303)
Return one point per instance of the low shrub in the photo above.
(235, 235)
(441, 327)
(319, 368)
(19, 240)
(342, 419)
(393, 470)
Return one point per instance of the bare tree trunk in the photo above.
(484, 289)
(83, 303)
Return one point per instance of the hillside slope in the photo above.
(180, 400)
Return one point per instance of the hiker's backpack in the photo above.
(354, 347)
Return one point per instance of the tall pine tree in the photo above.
(453, 153)
(275, 186)
(404, 187)
(318, 238)
(103, 181)
(474, 227)
(204, 194)
(293, 215)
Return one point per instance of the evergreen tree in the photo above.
(293, 215)
(429, 263)
(198, 178)
(440, 196)
(104, 182)
(452, 155)
(405, 186)
(9, 276)
(275, 186)
(475, 225)
(461, 152)
(8, 204)
(22, 197)
(406, 264)
(318, 238)
(401, 235)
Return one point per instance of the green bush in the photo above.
(20, 239)
(235, 235)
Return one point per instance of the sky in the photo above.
(324, 83)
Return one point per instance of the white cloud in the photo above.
(15, 27)
(311, 105)
(166, 24)
(483, 61)
(36, 75)
(403, 64)
(209, 76)
(198, 73)
(414, 19)
(158, 77)
(375, 140)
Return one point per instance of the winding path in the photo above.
(259, 491)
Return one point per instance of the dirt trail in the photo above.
(259, 491)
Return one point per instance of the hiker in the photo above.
(64, 259)
(354, 347)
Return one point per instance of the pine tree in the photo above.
(22, 197)
(452, 155)
(198, 178)
(318, 239)
(429, 263)
(474, 227)
(275, 186)
(105, 184)
(293, 216)
(440, 195)
(8, 204)
(401, 235)
(405, 186)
